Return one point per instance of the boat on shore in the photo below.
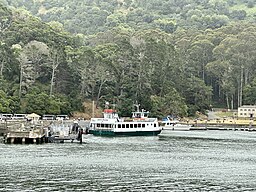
(111, 125)
(174, 125)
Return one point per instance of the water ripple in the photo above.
(175, 163)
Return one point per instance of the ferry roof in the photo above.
(248, 106)
(109, 111)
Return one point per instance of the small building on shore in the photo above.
(33, 117)
(246, 111)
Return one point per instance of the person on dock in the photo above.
(75, 127)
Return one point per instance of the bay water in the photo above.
(181, 161)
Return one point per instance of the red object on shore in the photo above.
(109, 111)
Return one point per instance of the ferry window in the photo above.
(139, 125)
(127, 125)
(135, 125)
(154, 125)
(143, 125)
(119, 125)
(123, 125)
(98, 125)
(131, 125)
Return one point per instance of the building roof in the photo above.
(248, 106)
(33, 115)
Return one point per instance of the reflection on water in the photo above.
(183, 161)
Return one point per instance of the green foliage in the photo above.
(170, 104)
(197, 93)
(91, 17)
(250, 93)
(42, 103)
(173, 57)
(4, 103)
(166, 25)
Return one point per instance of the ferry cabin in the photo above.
(124, 128)
(111, 125)
(124, 125)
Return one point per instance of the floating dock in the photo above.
(65, 133)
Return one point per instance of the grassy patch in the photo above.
(225, 114)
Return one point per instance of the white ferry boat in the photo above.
(111, 125)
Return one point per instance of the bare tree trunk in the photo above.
(227, 101)
(232, 102)
(93, 89)
(238, 94)
(82, 88)
(52, 80)
(219, 92)
(99, 92)
(241, 88)
(21, 78)
(246, 76)
(2, 69)
(55, 64)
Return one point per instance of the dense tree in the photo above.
(250, 93)
(173, 57)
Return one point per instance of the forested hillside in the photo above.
(92, 16)
(173, 57)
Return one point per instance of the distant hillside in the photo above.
(172, 57)
(89, 17)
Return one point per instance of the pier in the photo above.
(231, 124)
(222, 128)
(34, 136)
(63, 132)
(24, 132)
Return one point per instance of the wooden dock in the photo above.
(33, 136)
(23, 132)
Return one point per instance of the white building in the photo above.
(247, 111)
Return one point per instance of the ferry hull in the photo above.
(132, 133)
